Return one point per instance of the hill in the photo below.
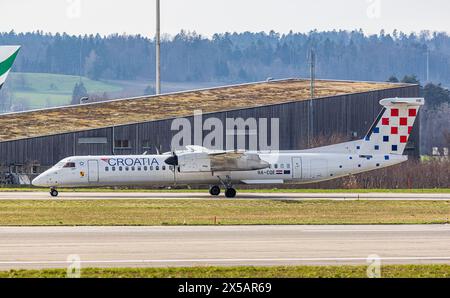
(42, 90)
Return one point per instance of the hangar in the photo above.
(32, 141)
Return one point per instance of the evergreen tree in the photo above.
(79, 91)
(436, 95)
(412, 79)
(393, 79)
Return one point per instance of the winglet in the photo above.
(7, 56)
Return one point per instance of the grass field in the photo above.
(41, 90)
(306, 191)
(391, 271)
(222, 212)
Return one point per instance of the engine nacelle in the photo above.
(191, 162)
(194, 162)
(237, 162)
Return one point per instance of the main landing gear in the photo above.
(214, 190)
(53, 192)
(230, 192)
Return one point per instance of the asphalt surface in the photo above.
(205, 195)
(50, 247)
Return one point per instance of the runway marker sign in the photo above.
(74, 268)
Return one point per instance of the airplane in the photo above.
(7, 56)
(383, 146)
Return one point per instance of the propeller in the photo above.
(173, 162)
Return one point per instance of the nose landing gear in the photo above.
(53, 192)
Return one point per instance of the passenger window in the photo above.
(133, 168)
(145, 168)
(282, 166)
(127, 168)
(163, 168)
(157, 168)
(288, 165)
(113, 169)
(139, 168)
(276, 166)
(120, 168)
(151, 168)
(69, 165)
(106, 169)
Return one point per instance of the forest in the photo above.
(237, 57)
(422, 58)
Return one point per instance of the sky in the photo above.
(217, 16)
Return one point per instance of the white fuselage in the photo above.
(141, 170)
(381, 147)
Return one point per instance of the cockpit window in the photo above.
(69, 165)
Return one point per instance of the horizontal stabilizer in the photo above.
(402, 101)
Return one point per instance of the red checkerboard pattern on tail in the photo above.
(391, 131)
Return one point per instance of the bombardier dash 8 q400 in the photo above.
(382, 147)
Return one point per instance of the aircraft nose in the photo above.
(38, 181)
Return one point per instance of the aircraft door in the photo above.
(296, 168)
(93, 171)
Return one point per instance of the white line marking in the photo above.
(228, 260)
(223, 229)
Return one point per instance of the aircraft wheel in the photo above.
(214, 190)
(53, 192)
(230, 193)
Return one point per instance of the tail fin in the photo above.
(7, 56)
(390, 132)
